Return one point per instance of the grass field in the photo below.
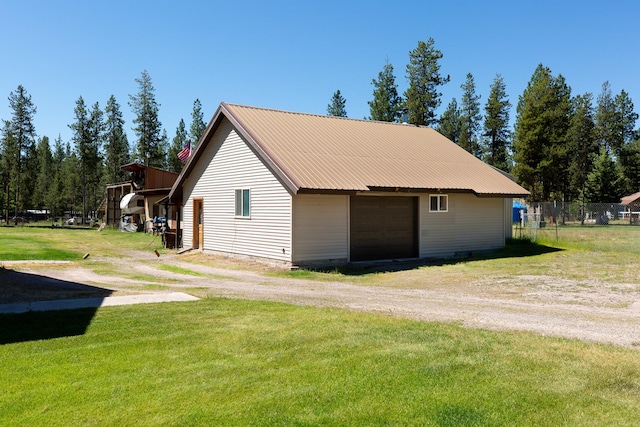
(31, 243)
(232, 362)
(229, 362)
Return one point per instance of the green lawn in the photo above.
(31, 243)
(230, 362)
(21, 244)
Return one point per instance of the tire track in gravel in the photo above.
(583, 316)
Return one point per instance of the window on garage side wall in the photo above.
(438, 203)
(243, 203)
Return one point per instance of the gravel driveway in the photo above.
(590, 311)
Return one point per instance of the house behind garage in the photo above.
(308, 189)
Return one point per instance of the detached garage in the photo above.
(306, 189)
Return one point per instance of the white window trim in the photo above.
(235, 204)
(438, 196)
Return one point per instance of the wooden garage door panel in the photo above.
(383, 227)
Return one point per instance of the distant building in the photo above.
(147, 187)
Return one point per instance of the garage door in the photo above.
(383, 227)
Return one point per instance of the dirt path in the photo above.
(599, 312)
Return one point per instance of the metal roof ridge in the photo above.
(298, 113)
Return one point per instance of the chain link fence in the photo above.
(530, 218)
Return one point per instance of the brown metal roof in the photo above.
(323, 153)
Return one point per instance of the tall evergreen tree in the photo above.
(178, 142)
(470, 117)
(449, 124)
(87, 136)
(338, 104)
(55, 198)
(423, 72)
(386, 105)
(148, 128)
(630, 163)
(72, 186)
(583, 146)
(540, 139)
(626, 117)
(604, 181)
(164, 146)
(44, 174)
(83, 149)
(19, 141)
(8, 150)
(198, 126)
(97, 182)
(627, 152)
(116, 143)
(606, 121)
(496, 126)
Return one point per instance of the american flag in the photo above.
(184, 154)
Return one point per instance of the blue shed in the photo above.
(517, 207)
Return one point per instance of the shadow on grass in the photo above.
(44, 325)
(515, 248)
(38, 307)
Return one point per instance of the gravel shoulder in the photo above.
(586, 310)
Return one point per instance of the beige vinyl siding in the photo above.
(508, 218)
(471, 224)
(228, 164)
(320, 228)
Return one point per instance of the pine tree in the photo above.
(43, 175)
(337, 107)
(423, 72)
(606, 121)
(626, 117)
(386, 105)
(449, 124)
(87, 136)
(630, 163)
(116, 143)
(96, 177)
(198, 126)
(164, 147)
(627, 152)
(496, 126)
(540, 139)
(55, 198)
(71, 182)
(177, 144)
(148, 127)
(19, 140)
(583, 146)
(604, 181)
(8, 149)
(470, 118)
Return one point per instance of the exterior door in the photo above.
(198, 228)
(383, 227)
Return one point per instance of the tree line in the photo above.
(562, 147)
(71, 176)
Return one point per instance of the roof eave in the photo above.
(415, 190)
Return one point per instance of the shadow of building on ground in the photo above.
(23, 322)
(513, 249)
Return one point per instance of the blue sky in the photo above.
(294, 55)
